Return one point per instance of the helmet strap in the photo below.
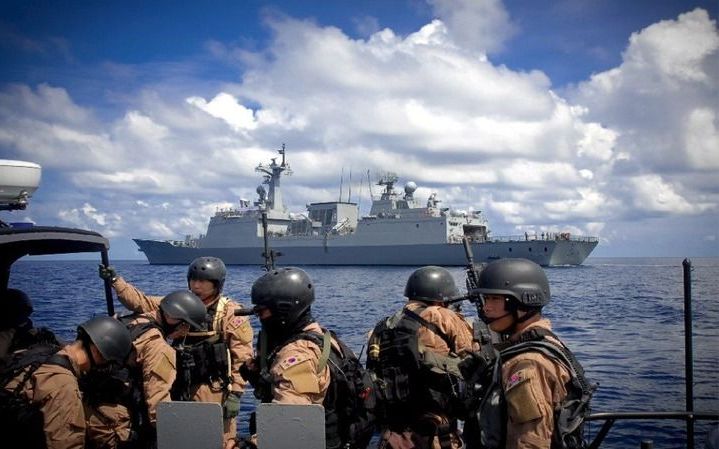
(86, 347)
(530, 313)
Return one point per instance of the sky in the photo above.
(595, 117)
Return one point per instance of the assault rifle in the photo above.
(476, 368)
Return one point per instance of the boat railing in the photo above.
(610, 418)
(689, 415)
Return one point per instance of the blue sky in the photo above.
(595, 117)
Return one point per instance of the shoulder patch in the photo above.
(522, 396)
(291, 360)
(165, 367)
(302, 377)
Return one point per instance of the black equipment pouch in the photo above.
(108, 385)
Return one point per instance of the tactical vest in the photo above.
(486, 427)
(21, 420)
(409, 379)
(350, 399)
(203, 357)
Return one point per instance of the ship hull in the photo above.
(543, 252)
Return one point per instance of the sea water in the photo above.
(623, 318)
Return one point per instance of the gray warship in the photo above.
(399, 230)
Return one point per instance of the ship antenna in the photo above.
(369, 184)
(349, 193)
(342, 175)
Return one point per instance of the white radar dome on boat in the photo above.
(410, 187)
(18, 181)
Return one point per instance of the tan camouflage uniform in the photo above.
(56, 390)
(109, 424)
(295, 379)
(533, 386)
(236, 332)
(458, 329)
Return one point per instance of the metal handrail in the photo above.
(611, 418)
(688, 415)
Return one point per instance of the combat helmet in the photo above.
(185, 306)
(209, 269)
(288, 292)
(521, 280)
(15, 307)
(110, 337)
(431, 284)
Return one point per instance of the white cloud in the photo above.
(484, 25)
(144, 127)
(661, 103)
(702, 139)
(652, 194)
(88, 217)
(227, 108)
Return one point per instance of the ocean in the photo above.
(622, 317)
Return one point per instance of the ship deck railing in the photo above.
(546, 237)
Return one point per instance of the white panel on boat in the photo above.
(290, 426)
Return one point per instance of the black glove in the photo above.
(250, 375)
(107, 272)
(473, 365)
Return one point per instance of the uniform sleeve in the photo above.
(134, 299)
(238, 335)
(532, 385)
(295, 377)
(449, 323)
(157, 359)
(63, 415)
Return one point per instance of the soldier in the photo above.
(290, 367)
(151, 374)
(16, 328)
(414, 355)
(44, 385)
(227, 341)
(534, 379)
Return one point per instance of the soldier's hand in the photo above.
(232, 406)
(250, 372)
(107, 272)
(472, 365)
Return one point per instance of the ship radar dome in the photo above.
(410, 187)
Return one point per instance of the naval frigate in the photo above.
(399, 230)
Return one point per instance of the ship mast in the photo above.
(272, 174)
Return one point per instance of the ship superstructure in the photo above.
(399, 230)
